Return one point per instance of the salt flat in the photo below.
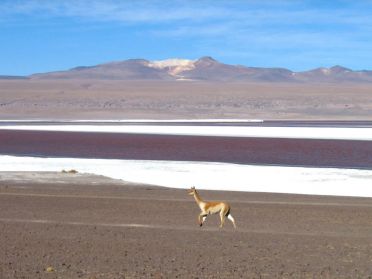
(335, 133)
(211, 176)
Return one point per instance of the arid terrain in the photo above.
(65, 225)
(111, 111)
(115, 99)
(81, 226)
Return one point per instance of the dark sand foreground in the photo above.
(122, 230)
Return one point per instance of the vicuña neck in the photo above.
(197, 198)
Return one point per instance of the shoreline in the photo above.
(17, 182)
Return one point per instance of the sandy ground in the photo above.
(120, 230)
(92, 99)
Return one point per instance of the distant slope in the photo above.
(12, 77)
(205, 68)
(133, 69)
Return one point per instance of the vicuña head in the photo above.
(208, 208)
(191, 191)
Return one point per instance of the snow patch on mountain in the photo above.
(174, 66)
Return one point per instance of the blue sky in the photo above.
(47, 35)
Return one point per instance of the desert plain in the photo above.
(116, 99)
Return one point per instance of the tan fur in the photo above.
(214, 207)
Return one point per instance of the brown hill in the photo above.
(207, 69)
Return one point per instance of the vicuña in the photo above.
(214, 207)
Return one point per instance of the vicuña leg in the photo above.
(232, 220)
(222, 216)
(201, 218)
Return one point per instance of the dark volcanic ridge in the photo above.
(204, 69)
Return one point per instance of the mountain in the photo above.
(132, 69)
(334, 74)
(205, 68)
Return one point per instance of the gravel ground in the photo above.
(63, 229)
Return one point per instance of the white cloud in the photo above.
(235, 15)
(124, 11)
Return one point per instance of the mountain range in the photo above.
(202, 69)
